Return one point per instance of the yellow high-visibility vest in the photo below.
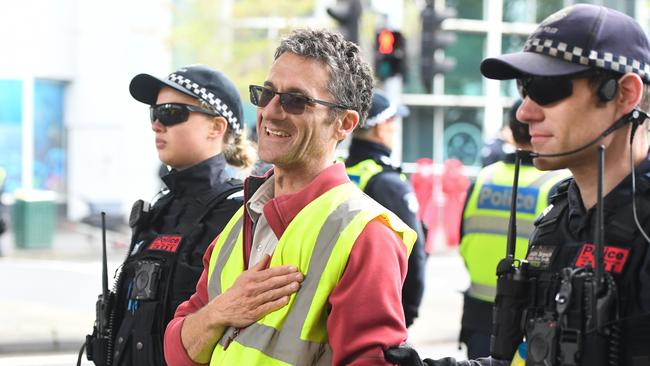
(361, 172)
(318, 241)
(486, 216)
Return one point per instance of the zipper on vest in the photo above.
(231, 338)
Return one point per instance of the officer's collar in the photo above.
(621, 195)
(363, 149)
(205, 175)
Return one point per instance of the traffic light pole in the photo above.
(393, 18)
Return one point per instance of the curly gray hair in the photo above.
(351, 81)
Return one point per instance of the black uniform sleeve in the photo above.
(390, 191)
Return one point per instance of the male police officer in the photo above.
(484, 230)
(369, 166)
(584, 76)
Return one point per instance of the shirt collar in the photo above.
(261, 197)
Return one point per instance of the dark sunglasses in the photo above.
(291, 102)
(545, 90)
(170, 114)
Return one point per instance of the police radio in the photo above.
(99, 345)
(512, 287)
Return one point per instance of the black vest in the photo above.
(556, 245)
(165, 258)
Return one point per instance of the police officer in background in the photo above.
(484, 230)
(369, 166)
(196, 116)
(584, 76)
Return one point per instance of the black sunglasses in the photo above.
(545, 90)
(169, 114)
(291, 102)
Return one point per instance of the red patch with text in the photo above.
(167, 243)
(614, 257)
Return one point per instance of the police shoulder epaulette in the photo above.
(561, 189)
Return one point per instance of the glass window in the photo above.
(529, 11)
(467, 9)
(546, 8)
(417, 134)
(11, 132)
(463, 135)
(511, 43)
(465, 78)
(49, 136)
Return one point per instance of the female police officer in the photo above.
(196, 116)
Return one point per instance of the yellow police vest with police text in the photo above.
(486, 216)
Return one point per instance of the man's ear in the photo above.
(218, 127)
(346, 123)
(630, 92)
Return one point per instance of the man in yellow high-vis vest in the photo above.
(303, 215)
(484, 231)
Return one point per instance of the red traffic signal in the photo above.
(390, 54)
(385, 42)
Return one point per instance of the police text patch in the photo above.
(496, 197)
(167, 243)
(541, 256)
(614, 257)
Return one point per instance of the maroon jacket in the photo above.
(365, 309)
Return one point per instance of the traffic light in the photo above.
(390, 54)
(347, 13)
(433, 39)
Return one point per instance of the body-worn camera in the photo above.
(542, 341)
(145, 282)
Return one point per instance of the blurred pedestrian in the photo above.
(369, 166)
(498, 148)
(306, 214)
(484, 230)
(196, 117)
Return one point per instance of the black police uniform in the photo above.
(165, 260)
(563, 239)
(392, 192)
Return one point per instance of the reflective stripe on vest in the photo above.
(296, 334)
(486, 217)
(363, 171)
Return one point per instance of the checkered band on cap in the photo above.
(216, 103)
(574, 54)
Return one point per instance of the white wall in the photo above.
(97, 47)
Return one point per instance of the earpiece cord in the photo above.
(636, 216)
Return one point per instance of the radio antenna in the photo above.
(104, 260)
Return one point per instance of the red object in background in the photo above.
(454, 187)
(422, 182)
(441, 198)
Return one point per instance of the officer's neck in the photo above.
(617, 167)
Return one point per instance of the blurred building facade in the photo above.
(467, 109)
(68, 123)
